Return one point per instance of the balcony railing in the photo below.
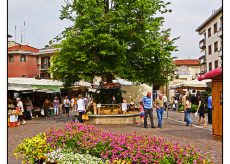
(202, 44)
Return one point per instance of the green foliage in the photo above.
(126, 40)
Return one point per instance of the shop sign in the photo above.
(183, 70)
(111, 86)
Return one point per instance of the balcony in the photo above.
(219, 33)
(203, 61)
(202, 44)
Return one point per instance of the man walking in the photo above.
(148, 108)
(210, 109)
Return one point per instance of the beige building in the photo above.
(44, 61)
(211, 43)
(186, 70)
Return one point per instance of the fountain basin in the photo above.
(114, 119)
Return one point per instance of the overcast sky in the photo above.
(42, 22)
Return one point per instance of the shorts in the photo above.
(142, 114)
(201, 115)
(67, 109)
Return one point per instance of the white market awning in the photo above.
(193, 84)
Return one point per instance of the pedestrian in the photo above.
(188, 106)
(80, 108)
(159, 104)
(201, 109)
(29, 108)
(165, 100)
(72, 103)
(210, 109)
(176, 103)
(66, 105)
(46, 107)
(86, 102)
(183, 101)
(142, 112)
(124, 106)
(56, 106)
(148, 109)
(132, 105)
(21, 111)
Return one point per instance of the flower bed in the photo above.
(117, 148)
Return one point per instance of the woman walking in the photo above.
(66, 105)
(46, 107)
(159, 104)
(56, 106)
(187, 111)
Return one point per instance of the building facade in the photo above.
(44, 57)
(186, 70)
(211, 42)
(22, 61)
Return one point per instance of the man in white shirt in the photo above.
(80, 107)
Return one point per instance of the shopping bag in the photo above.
(42, 112)
(85, 117)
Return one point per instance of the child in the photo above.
(142, 112)
(124, 106)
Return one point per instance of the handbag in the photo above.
(42, 112)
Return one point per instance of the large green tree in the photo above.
(116, 38)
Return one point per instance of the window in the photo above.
(215, 28)
(216, 63)
(45, 62)
(209, 32)
(11, 58)
(210, 66)
(215, 46)
(210, 49)
(23, 58)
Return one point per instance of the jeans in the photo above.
(160, 116)
(210, 115)
(188, 118)
(56, 110)
(150, 113)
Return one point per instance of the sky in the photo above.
(42, 22)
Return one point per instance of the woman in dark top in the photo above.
(201, 109)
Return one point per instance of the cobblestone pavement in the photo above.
(174, 129)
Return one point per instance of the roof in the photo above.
(21, 52)
(210, 18)
(188, 62)
(23, 47)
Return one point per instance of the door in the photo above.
(217, 112)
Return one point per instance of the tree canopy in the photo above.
(118, 38)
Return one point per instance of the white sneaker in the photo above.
(24, 122)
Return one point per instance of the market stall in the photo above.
(216, 77)
(36, 90)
